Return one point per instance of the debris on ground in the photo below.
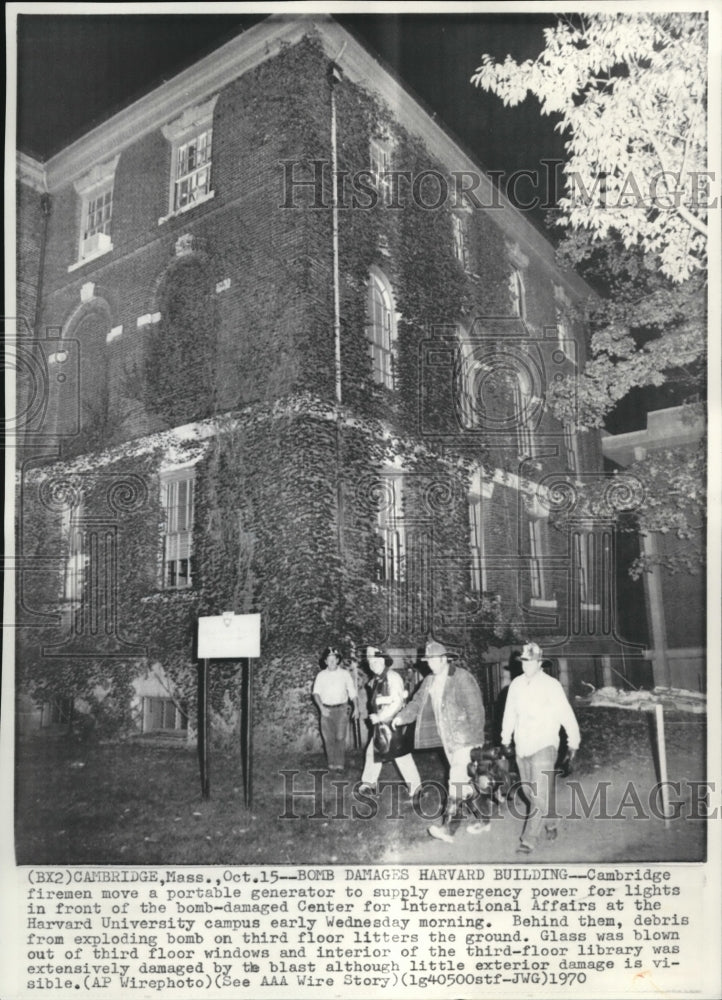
(678, 699)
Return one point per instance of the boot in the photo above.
(449, 822)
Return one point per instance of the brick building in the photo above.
(266, 393)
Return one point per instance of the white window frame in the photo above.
(76, 558)
(191, 126)
(477, 542)
(97, 183)
(581, 565)
(583, 545)
(517, 291)
(391, 529)
(381, 328)
(562, 329)
(177, 541)
(536, 572)
(523, 404)
(571, 453)
(166, 704)
(469, 367)
(380, 167)
(563, 308)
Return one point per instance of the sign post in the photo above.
(227, 637)
(246, 729)
(203, 728)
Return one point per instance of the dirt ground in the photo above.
(138, 802)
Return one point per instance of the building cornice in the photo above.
(168, 101)
(255, 46)
(31, 172)
(675, 427)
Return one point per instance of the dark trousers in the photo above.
(537, 775)
(334, 728)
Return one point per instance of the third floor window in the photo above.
(98, 215)
(193, 170)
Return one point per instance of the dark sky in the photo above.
(75, 70)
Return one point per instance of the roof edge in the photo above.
(31, 172)
(255, 46)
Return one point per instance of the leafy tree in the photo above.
(630, 94)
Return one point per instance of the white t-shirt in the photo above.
(334, 687)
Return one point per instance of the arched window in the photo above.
(381, 328)
(82, 399)
(180, 350)
(91, 333)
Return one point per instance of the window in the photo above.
(380, 166)
(517, 293)
(191, 138)
(381, 328)
(587, 567)
(177, 502)
(192, 170)
(163, 713)
(536, 578)
(96, 212)
(523, 407)
(76, 559)
(468, 380)
(562, 329)
(581, 566)
(391, 531)
(460, 232)
(478, 581)
(565, 335)
(570, 448)
(98, 215)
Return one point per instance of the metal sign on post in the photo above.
(227, 637)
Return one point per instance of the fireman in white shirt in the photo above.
(536, 708)
(335, 695)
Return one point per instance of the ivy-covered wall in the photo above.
(238, 294)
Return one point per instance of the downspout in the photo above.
(334, 77)
(46, 207)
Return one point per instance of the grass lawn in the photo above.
(138, 802)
